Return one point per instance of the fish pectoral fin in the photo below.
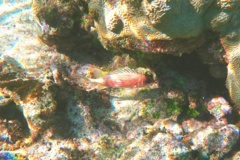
(98, 80)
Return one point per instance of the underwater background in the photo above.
(130, 80)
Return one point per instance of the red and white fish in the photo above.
(123, 78)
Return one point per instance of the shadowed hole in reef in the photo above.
(119, 27)
(191, 67)
(18, 128)
(95, 55)
(188, 65)
(188, 74)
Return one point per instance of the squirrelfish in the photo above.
(122, 78)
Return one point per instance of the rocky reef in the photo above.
(173, 27)
(49, 108)
(66, 20)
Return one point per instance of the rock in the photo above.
(28, 77)
(214, 141)
(191, 125)
(64, 24)
(170, 126)
(160, 146)
(219, 107)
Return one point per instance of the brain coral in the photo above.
(171, 26)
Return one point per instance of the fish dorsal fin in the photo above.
(124, 70)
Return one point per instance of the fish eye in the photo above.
(149, 78)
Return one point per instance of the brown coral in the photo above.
(233, 79)
(231, 43)
(151, 26)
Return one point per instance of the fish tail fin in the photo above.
(88, 83)
(83, 80)
(88, 70)
(98, 73)
(88, 76)
(79, 79)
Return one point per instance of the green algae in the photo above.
(173, 107)
(192, 113)
(156, 115)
